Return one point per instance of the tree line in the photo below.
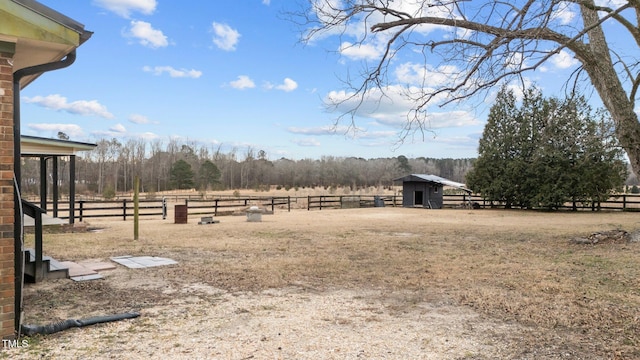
(112, 167)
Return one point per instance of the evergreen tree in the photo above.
(181, 175)
(208, 175)
(491, 174)
(403, 165)
(546, 152)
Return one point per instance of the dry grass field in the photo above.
(375, 283)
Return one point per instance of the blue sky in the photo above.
(233, 75)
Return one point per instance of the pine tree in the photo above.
(491, 173)
(181, 175)
(208, 175)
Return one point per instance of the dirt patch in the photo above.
(357, 283)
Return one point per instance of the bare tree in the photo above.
(479, 44)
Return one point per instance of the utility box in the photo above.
(254, 214)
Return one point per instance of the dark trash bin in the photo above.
(181, 214)
(378, 201)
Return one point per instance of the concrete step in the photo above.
(51, 268)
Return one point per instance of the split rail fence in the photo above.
(124, 208)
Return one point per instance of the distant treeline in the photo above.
(113, 166)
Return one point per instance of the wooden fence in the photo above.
(224, 206)
(125, 208)
(622, 202)
(351, 201)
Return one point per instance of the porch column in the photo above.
(72, 189)
(43, 182)
(54, 187)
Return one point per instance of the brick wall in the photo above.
(7, 269)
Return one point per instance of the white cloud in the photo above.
(124, 8)
(243, 82)
(323, 130)
(78, 107)
(287, 85)
(225, 37)
(565, 13)
(356, 132)
(72, 130)
(375, 134)
(515, 60)
(139, 119)
(426, 75)
(118, 128)
(360, 52)
(148, 136)
(174, 73)
(564, 60)
(147, 35)
(326, 12)
(266, 2)
(106, 133)
(307, 142)
(451, 119)
(392, 107)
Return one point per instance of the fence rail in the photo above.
(227, 205)
(125, 208)
(622, 202)
(351, 201)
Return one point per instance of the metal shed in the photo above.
(421, 190)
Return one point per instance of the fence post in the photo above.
(164, 208)
(624, 202)
(124, 209)
(273, 207)
(215, 208)
(308, 202)
(80, 209)
(289, 203)
(136, 207)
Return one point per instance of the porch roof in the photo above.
(37, 146)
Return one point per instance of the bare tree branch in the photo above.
(504, 40)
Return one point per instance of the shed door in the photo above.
(418, 197)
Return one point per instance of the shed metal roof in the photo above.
(433, 179)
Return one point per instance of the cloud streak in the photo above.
(72, 130)
(173, 72)
(79, 107)
(124, 8)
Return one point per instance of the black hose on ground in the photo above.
(30, 330)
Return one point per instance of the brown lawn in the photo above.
(357, 283)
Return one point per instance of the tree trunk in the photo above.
(597, 62)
